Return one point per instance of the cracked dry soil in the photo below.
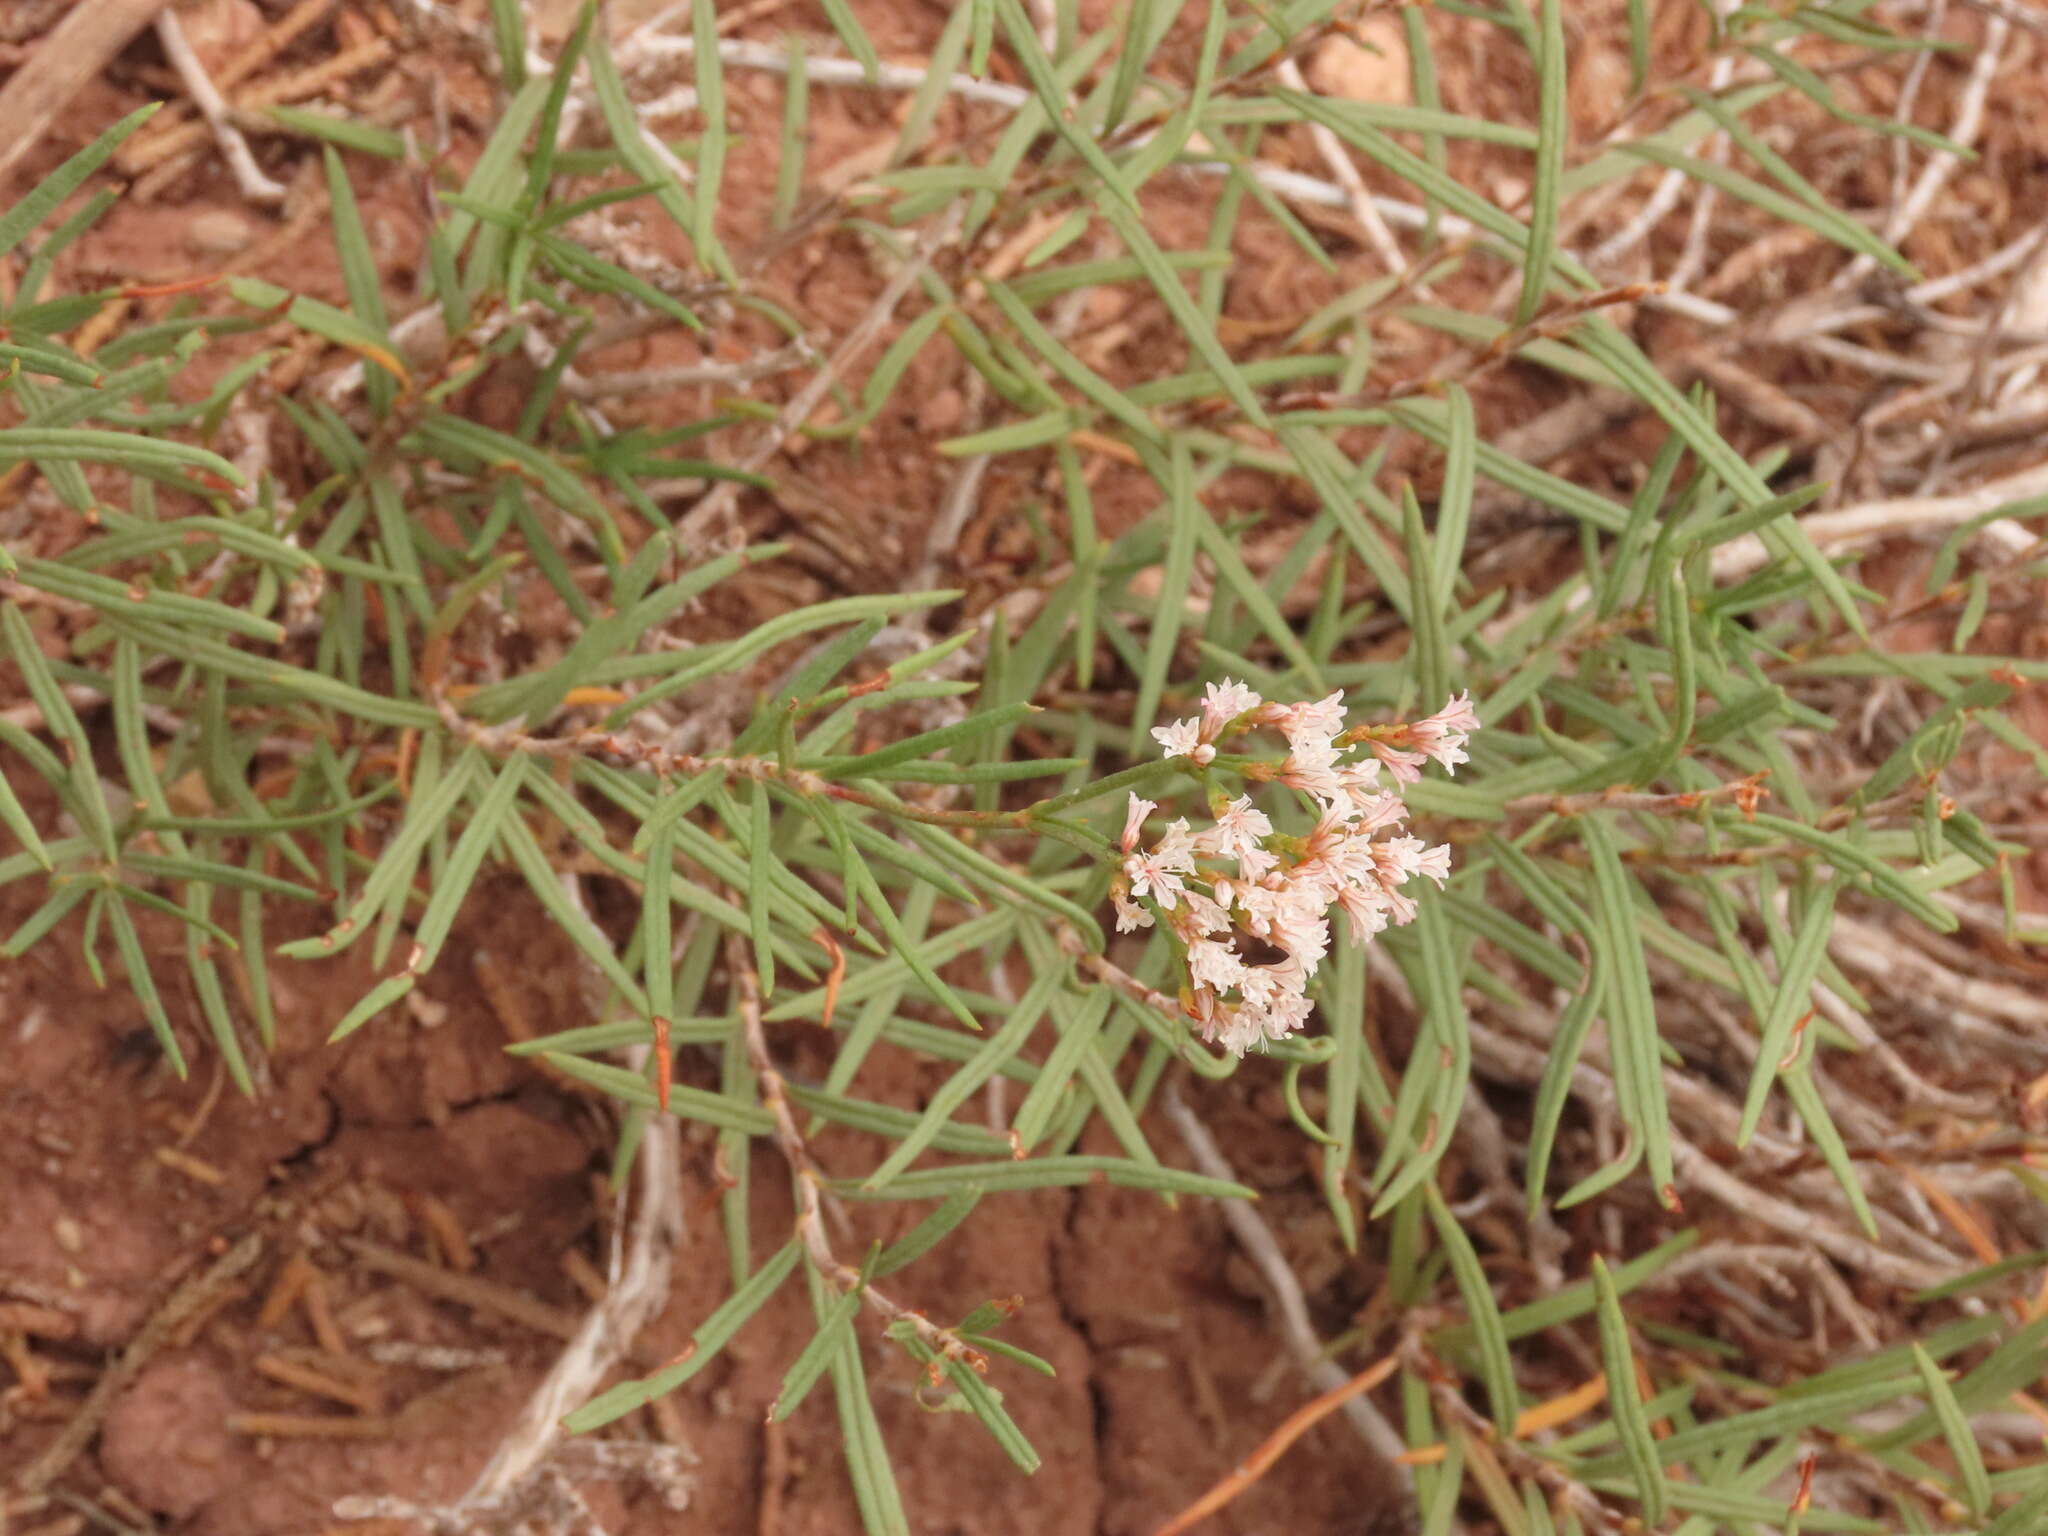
(120, 1181)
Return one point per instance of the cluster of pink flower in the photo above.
(1241, 992)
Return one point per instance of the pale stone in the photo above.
(218, 30)
(1372, 68)
(218, 232)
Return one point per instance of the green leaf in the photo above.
(1955, 1429)
(342, 132)
(927, 1234)
(835, 1332)
(129, 943)
(982, 1400)
(1553, 121)
(1633, 1040)
(1039, 1173)
(867, 1456)
(1495, 1366)
(49, 193)
(1631, 1423)
(1004, 1043)
(1791, 1002)
(710, 1337)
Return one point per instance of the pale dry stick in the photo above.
(1692, 259)
(1670, 187)
(692, 527)
(1999, 262)
(1656, 208)
(1260, 1246)
(1907, 971)
(525, 1467)
(183, 1303)
(273, 41)
(75, 51)
(648, 381)
(1909, 97)
(810, 1217)
(2020, 13)
(1686, 1092)
(472, 1291)
(1852, 528)
(1911, 1083)
(1443, 1387)
(234, 148)
(1889, 365)
(638, 1273)
(1969, 122)
(1335, 156)
(1774, 1258)
(1522, 1064)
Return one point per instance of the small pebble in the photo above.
(942, 412)
(218, 232)
(69, 1234)
(1375, 68)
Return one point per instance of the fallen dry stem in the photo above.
(1274, 1446)
(810, 1220)
(189, 1298)
(1259, 1244)
(471, 1291)
(255, 186)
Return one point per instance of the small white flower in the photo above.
(1130, 917)
(1256, 864)
(1237, 1030)
(1311, 745)
(1435, 863)
(1288, 1013)
(1366, 907)
(1442, 735)
(1304, 932)
(1397, 859)
(1457, 715)
(1183, 738)
(1215, 966)
(1222, 703)
(1153, 876)
(1201, 916)
(1305, 772)
(1264, 907)
(1449, 752)
(1375, 809)
(1242, 827)
(1134, 820)
(1177, 847)
(1324, 717)
(1406, 767)
(1400, 910)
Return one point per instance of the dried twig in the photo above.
(1338, 159)
(694, 526)
(77, 50)
(1850, 528)
(1969, 122)
(471, 1291)
(789, 1139)
(1259, 1244)
(1298, 1423)
(188, 1299)
(256, 186)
